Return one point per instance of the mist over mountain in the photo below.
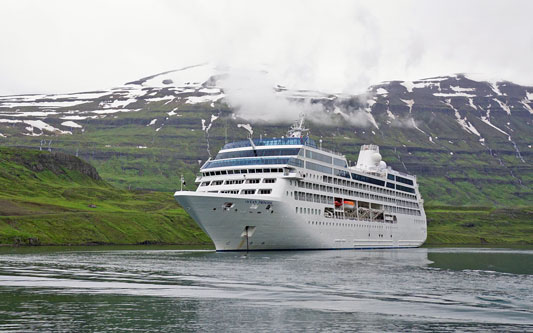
(469, 140)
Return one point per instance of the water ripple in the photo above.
(421, 289)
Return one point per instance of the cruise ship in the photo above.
(290, 194)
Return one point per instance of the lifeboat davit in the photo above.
(349, 204)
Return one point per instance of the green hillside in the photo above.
(55, 198)
(479, 226)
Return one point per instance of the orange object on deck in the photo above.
(349, 204)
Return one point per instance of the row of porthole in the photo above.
(258, 212)
(336, 224)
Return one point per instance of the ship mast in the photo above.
(298, 129)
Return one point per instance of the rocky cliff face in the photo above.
(468, 140)
(56, 162)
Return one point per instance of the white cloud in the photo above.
(341, 46)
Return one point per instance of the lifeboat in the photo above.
(349, 204)
(338, 203)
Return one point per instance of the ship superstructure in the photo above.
(288, 193)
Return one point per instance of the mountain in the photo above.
(469, 141)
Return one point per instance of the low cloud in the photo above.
(255, 97)
(405, 122)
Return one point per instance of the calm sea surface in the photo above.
(170, 289)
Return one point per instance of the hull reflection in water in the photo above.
(383, 290)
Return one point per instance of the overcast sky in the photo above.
(334, 46)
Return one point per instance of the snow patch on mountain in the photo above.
(210, 91)
(504, 106)
(525, 102)
(471, 103)
(203, 99)
(463, 122)
(39, 114)
(461, 89)
(168, 98)
(74, 117)
(117, 103)
(494, 87)
(39, 124)
(71, 124)
(410, 103)
(457, 94)
(381, 91)
(43, 104)
(486, 120)
(409, 85)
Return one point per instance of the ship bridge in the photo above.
(307, 141)
(273, 151)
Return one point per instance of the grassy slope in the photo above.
(479, 225)
(52, 207)
(46, 207)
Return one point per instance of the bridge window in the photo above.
(404, 180)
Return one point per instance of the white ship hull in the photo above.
(271, 223)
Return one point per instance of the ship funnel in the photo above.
(370, 159)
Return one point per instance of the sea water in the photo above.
(172, 289)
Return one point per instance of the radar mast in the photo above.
(298, 129)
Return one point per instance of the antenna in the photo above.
(297, 129)
(226, 132)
